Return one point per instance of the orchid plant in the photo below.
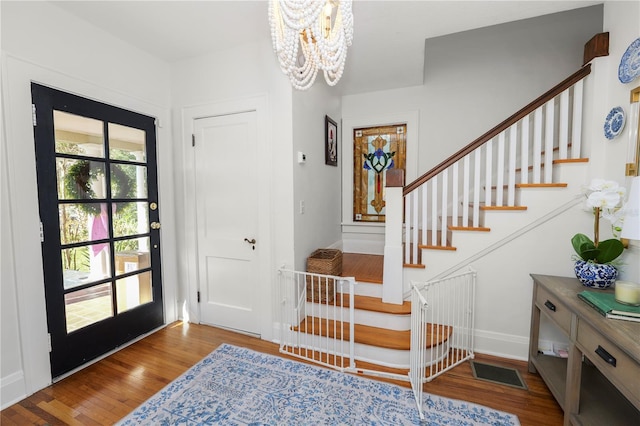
(604, 198)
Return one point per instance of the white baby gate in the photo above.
(316, 318)
(442, 328)
(316, 323)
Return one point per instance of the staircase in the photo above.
(344, 324)
(517, 175)
(521, 173)
(381, 331)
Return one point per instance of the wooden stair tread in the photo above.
(541, 185)
(414, 265)
(430, 247)
(373, 336)
(503, 207)
(376, 304)
(558, 161)
(533, 185)
(469, 228)
(483, 206)
(571, 160)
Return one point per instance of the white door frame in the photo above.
(259, 104)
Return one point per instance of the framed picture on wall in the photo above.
(330, 141)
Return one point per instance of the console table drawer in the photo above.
(611, 361)
(554, 309)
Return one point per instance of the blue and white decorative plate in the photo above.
(629, 68)
(614, 123)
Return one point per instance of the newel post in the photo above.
(392, 287)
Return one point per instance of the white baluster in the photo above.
(424, 222)
(549, 140)
(576, 130)
(454, 197)
(445, 207)
(416, 228)
(465, 191)
(537, 145)
(511, 170)
(407, 227)
(564, 125)
(524, 150)
(476, 188)
(500, 171)
(488, 172)
(434, 211)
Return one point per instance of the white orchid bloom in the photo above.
(622, 191)
(603, 185)
(603, 199)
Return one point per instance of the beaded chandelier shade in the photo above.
(311, 35)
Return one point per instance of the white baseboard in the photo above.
(363, 246)
(502, 345)
(12, 390)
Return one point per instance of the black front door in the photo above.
(98, 199)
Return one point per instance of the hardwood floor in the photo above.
(106, 391)
(364, 267)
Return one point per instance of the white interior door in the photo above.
(227, 220)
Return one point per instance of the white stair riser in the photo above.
(363, 317)
(368, 289)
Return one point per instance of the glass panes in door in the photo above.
(101, 176)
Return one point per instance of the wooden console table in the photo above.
(599, 383)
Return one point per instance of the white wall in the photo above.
(42, 43)
(475, 79)
(622, 20)
(315, 184)
(211, 83)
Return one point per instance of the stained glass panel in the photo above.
(376, 150)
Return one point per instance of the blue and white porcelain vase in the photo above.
(595, 275)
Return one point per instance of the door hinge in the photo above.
(33, 115)
(198, 296)
(49, 342)
(193, 140)
(41, 233)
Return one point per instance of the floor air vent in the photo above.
(497, 374)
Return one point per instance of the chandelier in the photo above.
(309, 35)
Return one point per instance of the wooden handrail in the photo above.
(537, 103)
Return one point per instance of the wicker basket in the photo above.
(326, 262)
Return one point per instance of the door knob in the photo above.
(250, 241)
(155, 225)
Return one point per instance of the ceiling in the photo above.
(388, 45)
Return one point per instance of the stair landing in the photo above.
(364, 267)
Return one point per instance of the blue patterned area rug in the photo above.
(237, 386)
